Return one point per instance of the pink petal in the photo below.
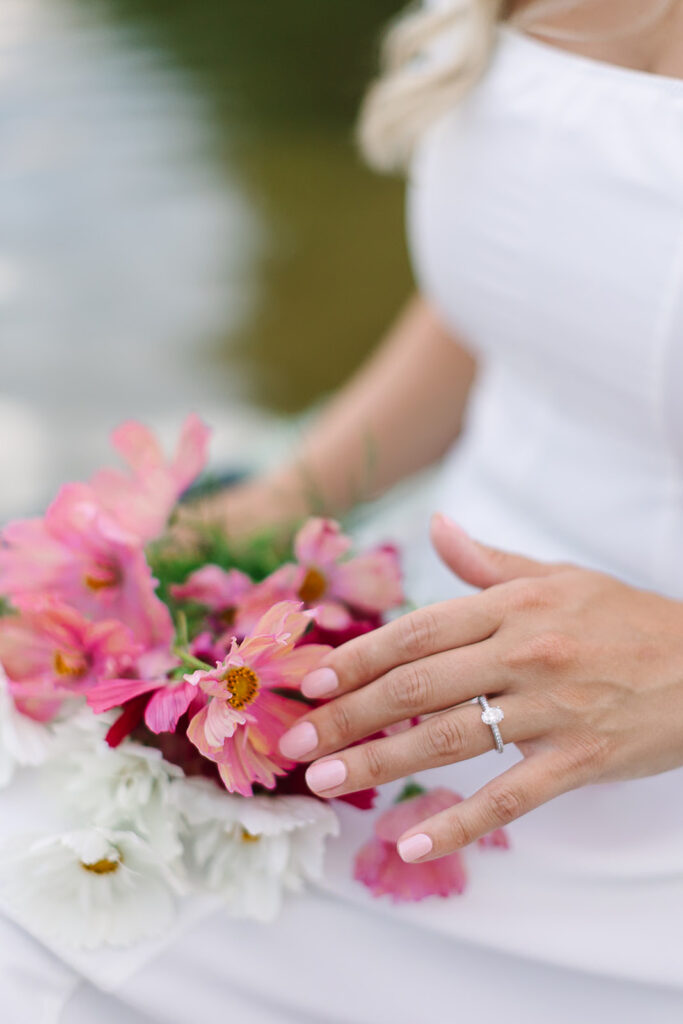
(30, 558)
(214, 587)
(284, 620)
(167, 705)
(138, 446)
(197, 735)
(114, 693)
(222, 721)
(290, 668)
(370, 582)
(245, 764)
(192, 452)
(332, 615)
(320, 543)
(391, 825)
(498, 839)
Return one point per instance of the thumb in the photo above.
(476, 563)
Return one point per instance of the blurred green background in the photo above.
(285, 80)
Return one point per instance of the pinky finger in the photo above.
(517, 791)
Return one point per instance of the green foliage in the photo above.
(5, 607)
(409, 791)
(172, 563)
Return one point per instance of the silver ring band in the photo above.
(491, 715)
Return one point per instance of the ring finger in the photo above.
(442, 739)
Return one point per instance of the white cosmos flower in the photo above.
(78, 726)
(125, 788)
(88, 888)
(23, 741)
(253, 850)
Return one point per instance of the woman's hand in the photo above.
(275, 503)
(588, 671)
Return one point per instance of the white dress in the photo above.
(546, 223)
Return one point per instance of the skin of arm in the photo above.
(399, 413)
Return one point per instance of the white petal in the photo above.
(22, 740)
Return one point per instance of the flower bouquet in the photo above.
(149, 686)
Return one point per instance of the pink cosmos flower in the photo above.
(331, 583)
(81, 556)
(379, 867)
(142, 500)
(51, 653)
(235, 601)
(244, 719)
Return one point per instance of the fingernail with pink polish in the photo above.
(414, 847)
(300, 740)
(326, 775)
(320, 683)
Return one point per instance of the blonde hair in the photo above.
(435, 52)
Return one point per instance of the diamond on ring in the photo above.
(491, 716)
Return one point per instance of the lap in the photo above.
(328, 962)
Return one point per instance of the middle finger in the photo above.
(442, 739)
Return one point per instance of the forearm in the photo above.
(399, 413)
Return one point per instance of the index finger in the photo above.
(431, 630)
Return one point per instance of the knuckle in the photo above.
(445, 735)
(527, 594)
(340, 723)
(551, 649)
(418, 634)
(459, 833)
(506, 805)
(374, 766)
(353, 662)
(408, 689)
(586, 755)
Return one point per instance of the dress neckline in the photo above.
(581, 62)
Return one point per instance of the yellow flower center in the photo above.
(102, 867)
(227, 617)
(102, 577)
(70, 664)
(242, 683)
(247, 837)
(313, 586)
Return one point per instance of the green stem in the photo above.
(183, 635)
(190, 661)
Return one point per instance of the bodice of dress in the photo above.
(546, 224)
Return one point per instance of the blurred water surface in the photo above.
(184, 222)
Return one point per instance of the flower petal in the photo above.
(320, 542)
(167, 705)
